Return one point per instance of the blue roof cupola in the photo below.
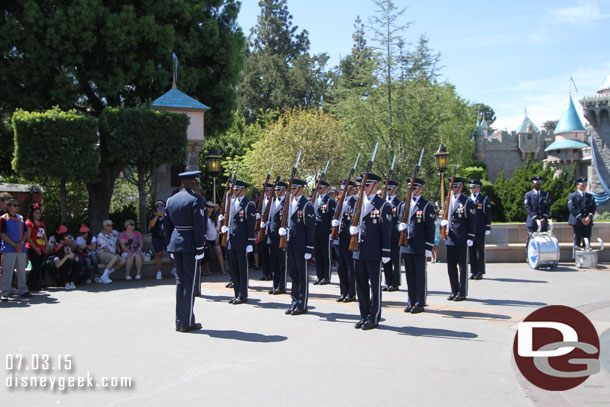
(177, 99)
(569, 121)
(527, 126)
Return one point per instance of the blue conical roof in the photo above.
(178, 99)
(525, 127)
(569, 121)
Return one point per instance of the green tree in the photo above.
(55, 146)
(488, 113)
(132, 140)
(89, 54)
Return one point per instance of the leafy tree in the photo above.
(55, 146)
(90, 54)
(132, 137)
(488, 113)
(320, 136)
(550, 125)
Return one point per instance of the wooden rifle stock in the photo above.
(285, 214)
(265, 218)
(353, 243)
(334, 234)
(405, 215)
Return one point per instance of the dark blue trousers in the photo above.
(238, 265)
(346, 271)
(476, 254)
(277, 265)
(263, 258)
(297, 268)
(368, 286)
(580, 232)
(415, 271)
(458, 256)
(186, 268)
(391, 269)
(322, 255)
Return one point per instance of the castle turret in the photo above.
(530, 139)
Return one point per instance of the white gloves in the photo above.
(282, 231)
(469, 242)
(249, 248)
(334, 223)
(224, 229)
(354, 230)
(428, 253)
(221, 218)
(263, 224)
(487, 232)
(385, 259)
(402, 226)
(258, 216)
(307, 256)
(444, 223)
(200, 256)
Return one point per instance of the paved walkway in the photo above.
(454, 354)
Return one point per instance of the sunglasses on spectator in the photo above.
(108, 224)
(131, 224)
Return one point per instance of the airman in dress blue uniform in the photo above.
(277, 255)
(240, 227)
(262, 246)
(301, 229)
(185, 227)
(374, 233)
(476, 252)
(537, 206)
(420, 241)
(324, 207)
(460, 235)
(391, 269)
(582, 208)
(345, 260)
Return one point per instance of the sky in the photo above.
(511, 55)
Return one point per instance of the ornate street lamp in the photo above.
(442, 161)
(212, 162)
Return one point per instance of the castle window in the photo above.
(529, 136)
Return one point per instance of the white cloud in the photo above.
(586, 12)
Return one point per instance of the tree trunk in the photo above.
(100, 194)
(63, 201)
(142, 178)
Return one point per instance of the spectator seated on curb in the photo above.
(65, 260)
(86, 245)
(107, 250)
(131, 242)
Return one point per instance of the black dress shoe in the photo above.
(317, 282)
(408, 308)
(194, 327)
(368, 325)
(393, 288)
(229, 284)
(278, 291)
(288, 311)
(341, 299)
(350, 299)
(417, 309)
(459, 298)
(385, 288)
(478, 277)
(324, 281)
(451, 297)
(26, 295)
(272, 291)
(240, 300)
(472, 277)
(359, 324)
(232, 300)
(299, 311)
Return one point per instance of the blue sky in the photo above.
(507, 54)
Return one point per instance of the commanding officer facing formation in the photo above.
(482, 228)
(460, 235)
(391, 269)
(301, 229)
(537, 206)
(374, 232)
(240, 227)
(277, 255)
(324, 207)
(185, 227)
(345, 261)
(420, 232)
(582, 207)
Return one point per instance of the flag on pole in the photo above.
(573, 83)
(175, 68)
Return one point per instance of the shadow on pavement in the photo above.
(512, 303)
(336, 317)
(37, 298)
(429, 332)
(242, 336)
(216, 298)
(263, 304)
(467, 314)
(516, 280)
